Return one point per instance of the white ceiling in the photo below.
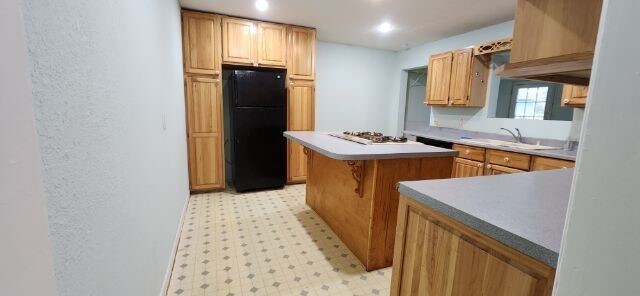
(354, 21)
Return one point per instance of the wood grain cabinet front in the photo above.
(574, 95)
(239, 44)
(302, 53)
(205, 132)
(301, 106)
(436, 255)
(466, 168)
(457, 78)
(439, 79)
(201, 43)
(272, 45)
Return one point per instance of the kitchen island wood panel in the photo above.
(437, 255)
(358, 199)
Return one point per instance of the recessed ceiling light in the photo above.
(385, 27)
(262, 5)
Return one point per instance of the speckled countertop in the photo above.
(524, 211)
(346, 150)
(454, 136)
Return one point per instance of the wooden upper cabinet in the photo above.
(302, 53)
(439, 79)
(201, 43)
(205, 136)
(272, 45)
(574, 95)
(554, 40)
(460, 76)
(239, 45)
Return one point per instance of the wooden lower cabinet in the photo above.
(205, 167)
(494, 169)
(437, 256)
(205, 132)
(297, 163)
(466, 168)
(544, 163)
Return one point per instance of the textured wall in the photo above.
(108, 94)
(599, 252)
(26, 266)
(352, 90)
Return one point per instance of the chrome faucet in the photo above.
(518, 138)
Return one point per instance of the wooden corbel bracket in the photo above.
(357, 170)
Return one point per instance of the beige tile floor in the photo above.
(265, 243)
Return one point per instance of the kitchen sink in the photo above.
(500, 143)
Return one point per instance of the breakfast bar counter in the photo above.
(352, 187)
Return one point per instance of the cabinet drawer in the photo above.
(469, 152)
(509, 159)
(545, 163)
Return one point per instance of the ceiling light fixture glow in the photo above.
(262, 5)
(385, 27)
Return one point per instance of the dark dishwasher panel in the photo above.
(433, 142)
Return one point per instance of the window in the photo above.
(530, 102)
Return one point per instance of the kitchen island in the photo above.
(352, 187)
(492, 235)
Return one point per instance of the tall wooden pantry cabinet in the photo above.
(212, 40)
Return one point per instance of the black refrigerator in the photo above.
(258, 120)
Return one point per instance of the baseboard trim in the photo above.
(174, 250)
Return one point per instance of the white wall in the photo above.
(352, 87)
(26, 266)
(476, 119)
(599, 253)
(109, 104)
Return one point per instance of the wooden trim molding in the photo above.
(493, 46)
(357, 170)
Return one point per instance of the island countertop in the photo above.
(524, 211)
(346, 150)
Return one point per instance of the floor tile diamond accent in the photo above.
(265, 243)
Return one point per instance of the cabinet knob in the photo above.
(480, 165)
(506, 159)
(566, 101)
(291, 83)
(488, 166)
(467, 151)
(216, 72)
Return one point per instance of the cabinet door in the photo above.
(297, 160)
(574, 95)
(438, 79)
(545, 163)
(202, 43)
(466, 168)
(204, 124)
(239, 41)
(302, 57)
(301, 117)
(435, 256)
(272, 45)
(460, 76)
(493, 169)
